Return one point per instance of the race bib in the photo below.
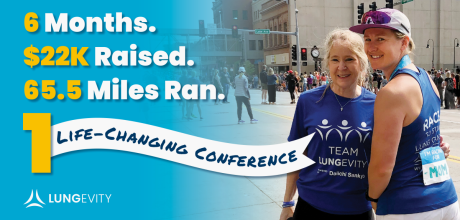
(434, 166)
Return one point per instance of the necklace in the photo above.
(341, 106)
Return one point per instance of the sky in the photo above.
(189, 12)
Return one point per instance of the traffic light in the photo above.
(201, 25)
(373, 6)
(360, 12)
(389, 4)
(303, 53)
(294, 52)
(235, 31)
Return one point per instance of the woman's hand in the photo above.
(445, 147)
(374, 206)
(287, 213)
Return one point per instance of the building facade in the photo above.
(429, 19)
(275, 17)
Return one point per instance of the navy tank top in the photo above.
(406, 193)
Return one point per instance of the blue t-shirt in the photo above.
(406, 193)
(337, 182)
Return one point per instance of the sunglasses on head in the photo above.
(378, 17)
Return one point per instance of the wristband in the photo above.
(369, 198)
(288, 204)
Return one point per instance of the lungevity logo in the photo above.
(68, 198)
(30, 199)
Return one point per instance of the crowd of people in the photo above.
(289, 81)
(448, 85)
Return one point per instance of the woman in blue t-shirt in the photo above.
(341, 115)
(408, 175)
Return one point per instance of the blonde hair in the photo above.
(448, 74)
(355, 43)
(270, 71)
(410, 48)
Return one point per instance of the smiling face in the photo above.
(384, 50)
(344, 65)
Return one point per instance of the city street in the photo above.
(264, 195)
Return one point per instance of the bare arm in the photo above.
(390, 115)
(291, 188)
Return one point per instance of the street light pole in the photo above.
(454, 50)
(297, 37)
(220, 13)
(428, 46)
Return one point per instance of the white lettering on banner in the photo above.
(102, 133)
(79, 198)
(431, 120)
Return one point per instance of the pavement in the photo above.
(263, 196)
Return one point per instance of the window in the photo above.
(261, 44)
(275, 41)
(266, 40)
(252, 45)
(280, 39)
(270, 37)
(285, 30)
(235, 14)
(245, 15)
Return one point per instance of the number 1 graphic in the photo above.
(40, 126)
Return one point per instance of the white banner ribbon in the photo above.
(242, 160)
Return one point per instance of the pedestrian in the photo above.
(242, 95)
(438, 81)
(309, 82)
(384, 82)
(379, 81)
(291, 81)
(325, 189)
(271, 83)
(225, 82)
(194, 80)
(263, 83)
(375, 84)
(217, 83)
(457, 91)
(184, 80)
(323, 79)
(449, 91)
(405, 110)
(297, 84)
(301, 83)
(255, 82)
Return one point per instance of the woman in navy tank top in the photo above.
(408, 175)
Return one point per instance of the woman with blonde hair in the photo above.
(340, 114)
(271, 83)
(408, 175)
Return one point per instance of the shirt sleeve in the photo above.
(298, 129)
